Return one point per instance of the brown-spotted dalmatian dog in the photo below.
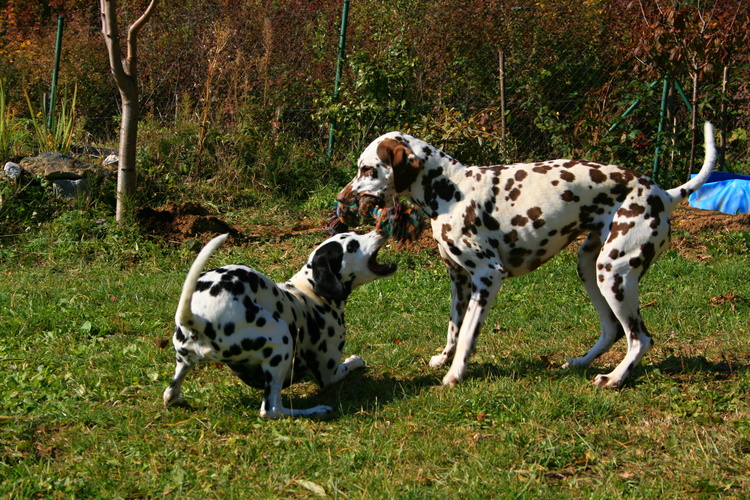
(269, 334)
(496, 222)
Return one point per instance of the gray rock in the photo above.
(70, 189)
(12, 170)
(57, 166)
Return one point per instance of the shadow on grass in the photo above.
(366, 392)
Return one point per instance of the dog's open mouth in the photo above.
(378, 268)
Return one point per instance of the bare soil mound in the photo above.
(695, 220)
(177, 222)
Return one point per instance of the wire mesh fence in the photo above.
(490, 82)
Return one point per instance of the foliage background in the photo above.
(261, 72)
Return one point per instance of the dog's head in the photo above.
(344, 262)
(386, 169)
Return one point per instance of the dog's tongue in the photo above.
(378, 268)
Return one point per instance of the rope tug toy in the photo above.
(402, 222)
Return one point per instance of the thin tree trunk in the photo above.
(125, 71)
(126, 172)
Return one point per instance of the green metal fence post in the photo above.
(339, 63)
(662, 118)
(55, 71)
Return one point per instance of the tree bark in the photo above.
(125, 71)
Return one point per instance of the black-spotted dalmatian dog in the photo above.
(496, 222)
(269, 334)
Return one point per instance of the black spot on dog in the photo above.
(209, 331)
(569, 196)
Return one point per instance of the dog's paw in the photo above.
(569, 363)
(319, 410)
(606, 381)
(354, 362)
(573, 362)
(170, 400)
(450, 380)
(438, 361)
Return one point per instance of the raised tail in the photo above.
(680, 193)
(184, 314)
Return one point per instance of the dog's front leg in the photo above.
(351, 363)
(485, 288)
(460, 292)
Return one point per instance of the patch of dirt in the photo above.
(177, 222)
(696, 221)
(689, 222)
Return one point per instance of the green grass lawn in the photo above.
(83, 366)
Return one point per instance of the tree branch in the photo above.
(112, 39)
(133, 37)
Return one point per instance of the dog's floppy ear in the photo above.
(405, 165)
(326, 265)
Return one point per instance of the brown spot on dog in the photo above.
(617, 288)
(444, 234)
(470, 216)
(534, 213)
(569, 196)
(519, 220)
(567, 176)
(634, 210)
(542, 169)
(620, 229)
(597, 177)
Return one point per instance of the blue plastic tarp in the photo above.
(723, 192)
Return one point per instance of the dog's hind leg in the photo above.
(272, 406)
(611, 330)
(620, 288)
(460, 293)
(274, 368)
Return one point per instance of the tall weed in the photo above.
(56, 134)
(12, 131)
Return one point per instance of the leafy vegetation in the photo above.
(430, 68)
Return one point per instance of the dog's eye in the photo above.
(352, 246)
(366, 170)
